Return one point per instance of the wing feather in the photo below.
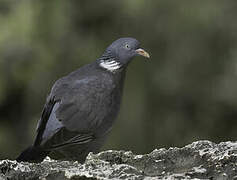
(69, 114)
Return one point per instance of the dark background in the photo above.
(186, 92)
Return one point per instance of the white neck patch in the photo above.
(110, 65)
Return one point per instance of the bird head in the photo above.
(120, 53)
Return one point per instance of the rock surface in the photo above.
(199, 160)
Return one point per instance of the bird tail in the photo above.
(32, 154)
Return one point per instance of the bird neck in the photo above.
(110, 63)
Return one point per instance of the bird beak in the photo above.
(142, 52)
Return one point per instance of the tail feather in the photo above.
(32, 154)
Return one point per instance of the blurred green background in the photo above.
(186, 92)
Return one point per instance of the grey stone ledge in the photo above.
(199, 160)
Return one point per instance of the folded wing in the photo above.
(69, 115)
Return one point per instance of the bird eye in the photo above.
(127, 46)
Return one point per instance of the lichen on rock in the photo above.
(199, 160)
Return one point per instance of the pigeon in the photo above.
(82, 106)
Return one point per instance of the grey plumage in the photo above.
(82, 106)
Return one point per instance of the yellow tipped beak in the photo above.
(142, 52)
